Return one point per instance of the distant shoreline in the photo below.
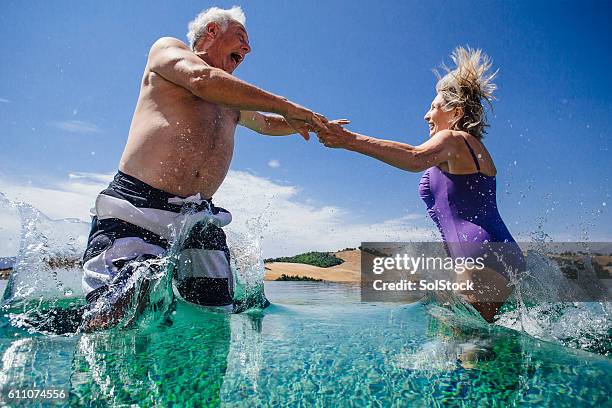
(347, 271)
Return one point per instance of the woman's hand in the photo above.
(336, 136)
(340, 122)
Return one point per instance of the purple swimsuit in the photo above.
(464, 208)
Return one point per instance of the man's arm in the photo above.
(271, 125)
(175, 62)
(440, 148)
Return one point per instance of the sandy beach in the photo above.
(348, 271)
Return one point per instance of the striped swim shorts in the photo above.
(133, 221)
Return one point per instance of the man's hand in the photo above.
(299, 117)
(336, 136)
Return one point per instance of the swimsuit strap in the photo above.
(472, 153)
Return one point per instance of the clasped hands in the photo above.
(330, 133)
(303, 121)
(335, 135)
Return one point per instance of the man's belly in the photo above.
(177, 153)
(181, 174)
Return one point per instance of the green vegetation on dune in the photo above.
(320, 259)
(284, 277)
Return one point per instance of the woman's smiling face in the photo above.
(437, 117)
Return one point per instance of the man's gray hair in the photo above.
(213, 15)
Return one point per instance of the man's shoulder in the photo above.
(168, 42)
(164, 50)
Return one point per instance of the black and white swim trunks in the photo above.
(133, 221)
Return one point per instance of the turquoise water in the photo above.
(316, 345)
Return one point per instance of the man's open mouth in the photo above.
(237, 58)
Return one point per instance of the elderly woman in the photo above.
(458, 185)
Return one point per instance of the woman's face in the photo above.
(437, 118)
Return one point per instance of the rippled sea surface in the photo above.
(316, 345)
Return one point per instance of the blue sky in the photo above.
(71, 74)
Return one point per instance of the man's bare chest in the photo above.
(210, 113)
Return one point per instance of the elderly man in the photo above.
(177, 155)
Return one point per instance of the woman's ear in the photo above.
(458, 112)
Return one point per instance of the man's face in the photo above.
(228, 48)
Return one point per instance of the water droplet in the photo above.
(604, 203)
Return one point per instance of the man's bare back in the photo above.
(178, 142)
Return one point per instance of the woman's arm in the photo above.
(438, 149)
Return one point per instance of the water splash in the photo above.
(534, 306)
(546, 303)
(248, 266)
(47, 265)
(45, 284)
(46, 276)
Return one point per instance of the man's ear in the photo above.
(212, 30)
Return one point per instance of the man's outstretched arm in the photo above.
(273, 125)
(175, 62)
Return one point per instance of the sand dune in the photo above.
(348, 271)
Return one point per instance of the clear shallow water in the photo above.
(316, 345)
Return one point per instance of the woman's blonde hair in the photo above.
(467, 86)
